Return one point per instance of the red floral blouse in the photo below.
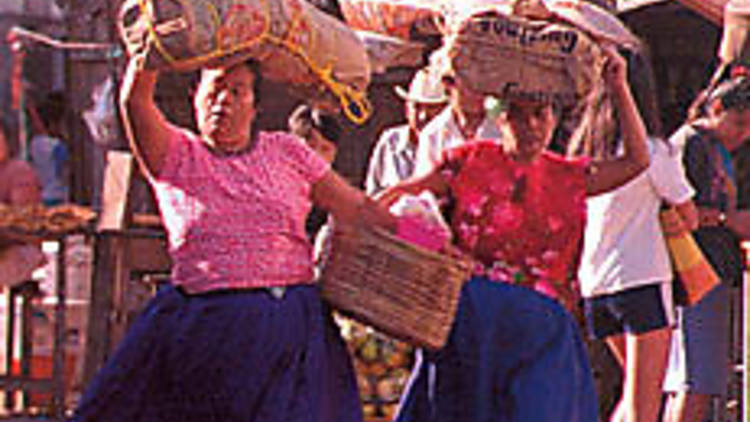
(522, 221)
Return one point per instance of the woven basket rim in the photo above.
(378, 231)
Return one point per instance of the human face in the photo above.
(322, 146)
(732, 127)
(225, 106)
(419, 114)
(531, 125)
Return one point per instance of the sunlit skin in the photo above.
(731, 127)
(530, 129)
(225, 107)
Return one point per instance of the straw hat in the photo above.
(426, 87)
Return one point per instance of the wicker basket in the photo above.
(401, 289)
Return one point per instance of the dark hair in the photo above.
(642, 83)
(251, 64)
(305, 118)
(330, 7)
(733, 94)
(52, 110)
(730, 85)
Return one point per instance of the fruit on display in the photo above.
(382, 365)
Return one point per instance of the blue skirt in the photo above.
(513, 355)
(228, 356)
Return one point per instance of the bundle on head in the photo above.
(404, 19)
(549, 51)
(293, 41)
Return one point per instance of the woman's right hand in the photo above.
(689, 214)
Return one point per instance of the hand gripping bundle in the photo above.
(293, 41)
(539, 50)
(515, 56)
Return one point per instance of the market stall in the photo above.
(28, 373)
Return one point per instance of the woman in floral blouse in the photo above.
(515, 354)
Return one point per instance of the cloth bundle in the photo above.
(292, 40)
(513, 56)
(397, 18)
(735, 40)
(386, 52)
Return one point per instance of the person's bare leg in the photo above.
(643, 359)
(616, 345)
(686, 407)
(645, 365)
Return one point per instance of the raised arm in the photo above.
(145, 125)
(607, 175)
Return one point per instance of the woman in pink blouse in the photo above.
(514, 354)
(241, 333)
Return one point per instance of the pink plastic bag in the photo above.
(420, 222)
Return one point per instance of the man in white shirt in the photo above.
(392, 159)
(464, 119)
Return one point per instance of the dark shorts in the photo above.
(636, 311)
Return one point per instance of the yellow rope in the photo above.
(354, 103)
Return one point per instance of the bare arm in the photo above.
(348, 204)
(607, 175)
(433, 182)
(145, 126)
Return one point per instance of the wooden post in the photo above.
(109, 273)
(746, 337)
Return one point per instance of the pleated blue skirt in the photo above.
(513, 355)
(228, 356)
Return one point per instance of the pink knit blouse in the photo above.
(238, 221)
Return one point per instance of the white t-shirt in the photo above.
(441, 133)
(392, 160)
(623, 242)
